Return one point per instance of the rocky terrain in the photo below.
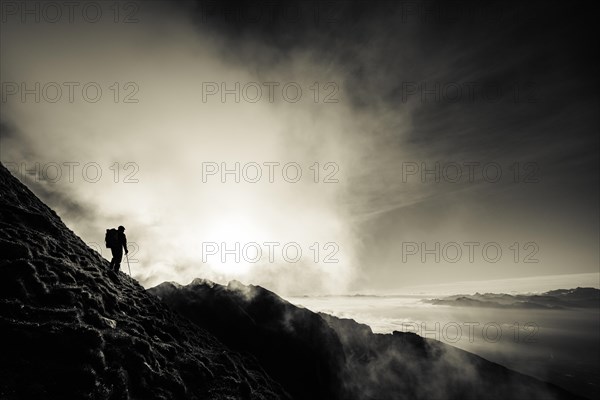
(73, 330)
(318, 356)
(295, 346)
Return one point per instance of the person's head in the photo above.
(121, 228)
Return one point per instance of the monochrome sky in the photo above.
(498, 103)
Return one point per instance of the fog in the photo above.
(558, 346)
(142, 152)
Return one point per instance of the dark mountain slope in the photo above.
(348, 361)
(407, 366)
(294, 345)
(71, 329)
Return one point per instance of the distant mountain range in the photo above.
(554, 299)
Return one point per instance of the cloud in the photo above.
(140, 164)
(161, 141)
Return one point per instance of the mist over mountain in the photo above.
(319, 356)
(295, 345)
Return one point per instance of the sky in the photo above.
(313, 147)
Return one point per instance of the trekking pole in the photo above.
(128, 267)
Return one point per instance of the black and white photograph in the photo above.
(299, 200)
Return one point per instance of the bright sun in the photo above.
(226, 240)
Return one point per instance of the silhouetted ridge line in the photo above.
(318, 356)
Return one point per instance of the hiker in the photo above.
(116, 241)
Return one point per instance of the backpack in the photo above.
(111, 238)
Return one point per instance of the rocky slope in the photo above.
(318, 356)
(71, 329)
(294, 345)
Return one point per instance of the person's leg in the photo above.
(114, 258)
(118, 258)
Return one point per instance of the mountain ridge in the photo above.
(72, 329)
(580, 297)
(366, 366)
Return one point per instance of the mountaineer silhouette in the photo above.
(116, 241)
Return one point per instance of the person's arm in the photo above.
(125, 243)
